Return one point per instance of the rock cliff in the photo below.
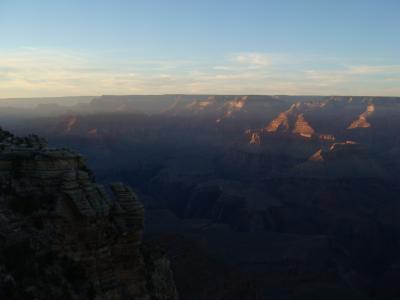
(317, 156)
(301, 119)
(362, 120)
(281, 122)
(346, 149)
(302, 127)
(292, 120)
(255, 138)
(62, 236)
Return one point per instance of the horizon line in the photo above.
(200, 94)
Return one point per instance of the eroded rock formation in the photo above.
(302, 127)
(362, 120)
(338, 150)
(289, 121)
(63, 236)
(235, 105)
(280, 123)
(255, 138)
(327, 137)
(292, 120)
(317, 156)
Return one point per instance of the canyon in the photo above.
(247, 196)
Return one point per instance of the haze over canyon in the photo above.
(199, 150)
(275, 197)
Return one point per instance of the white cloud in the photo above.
(55, 72)
(253, 59)
(365, 69)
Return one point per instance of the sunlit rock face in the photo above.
(52, 210)
(346, 149)
(290, 121)
(235, 105)
(317, 156)
(327, 137)
(344, 145)
(362, 120)
(223, 106)
(302, 127)
(280, 123)
(255, 138)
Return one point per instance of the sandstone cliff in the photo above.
(255, 138)
(62, 236)
(362, 120)
(292, 120)
(281, 123)
(346, 149)
(302, 127)
(298, 120)
(317, 156)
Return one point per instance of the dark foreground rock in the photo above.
(62, 236)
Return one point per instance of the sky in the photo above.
(94, 47)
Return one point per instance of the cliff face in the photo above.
(362, 120)
(292, 120)
(302, 127)
(255, 138)
(62, 236)
(346, 149)
(281, 122)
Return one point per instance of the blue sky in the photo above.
(76, 47)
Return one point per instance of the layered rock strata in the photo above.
(63, 235)
(302, 127)
(362, 120)
(290, 121)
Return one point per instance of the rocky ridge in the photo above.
(362, 120)
(282, 121)
(302, 127)
(291, 121)
(338, 149)
(62, 236)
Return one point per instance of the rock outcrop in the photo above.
(235, 105)
(302, 127)
(255, 138)
(291, 121)
(346, 149)
(317, 156)
(362, 120)
(281, 123)
(63, 236)
(327, 137)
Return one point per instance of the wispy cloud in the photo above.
(365, 69)
(261, 60)
(253, 59)
(56, 72)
